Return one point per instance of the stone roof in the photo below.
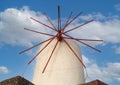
(95, 82)
(18, 80)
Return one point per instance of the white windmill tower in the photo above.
(59, 60)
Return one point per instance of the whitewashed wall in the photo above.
(63, 68)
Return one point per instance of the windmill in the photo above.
(59, 60)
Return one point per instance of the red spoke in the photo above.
(74, 53)
(84, 39)
(91, 40)
(43, 24)
(79, 26)
(82, 42)
(68, 36)
(59, 20)
(50, 21)
(50, 57)
(41, 50)
(67, 21)
(33, 46)
(72, 19)
(89, 46)
(38, 32)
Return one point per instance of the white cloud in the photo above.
(13, 21)
(117, 7)
(107, 30)
(97, 16)
(4, 70)
(85, 59)
(12, 24)
(117, 50)
(108, 73)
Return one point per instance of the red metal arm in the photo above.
(72, 19)
(85, 39)
(41, 50)
(38, 32)
(43, 23)
(50, 57)
(81, 42)
(59, 20)
(34, 46)
(50, 21)
(74, 53)
(89, 46)
(67, 21)
(79, 26)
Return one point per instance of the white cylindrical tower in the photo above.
(63, 68)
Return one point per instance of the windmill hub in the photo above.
(59, 35)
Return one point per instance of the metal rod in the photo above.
(50, 21)
(34, 46)
(50, 57)
(73, 19)
(85, 39)
(43, 23)
(41, 50)
(59, 19)
(38, 32)
(89, 46)
(82, 42)
(67, 21)
(78, 26)
(74, 53)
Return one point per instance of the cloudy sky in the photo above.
(15, 16)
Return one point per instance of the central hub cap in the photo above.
(59, 35)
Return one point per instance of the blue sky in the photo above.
(14, 16)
